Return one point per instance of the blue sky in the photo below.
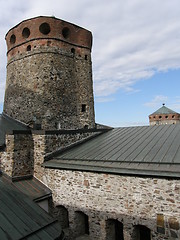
(136, 52)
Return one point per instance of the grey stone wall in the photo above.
(25, 152)
(49, 85)
(46, 143)
(17, 160)
(133, 201)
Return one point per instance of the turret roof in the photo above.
(164, 110)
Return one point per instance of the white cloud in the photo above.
(171, 102)
(133, 40)
(157, 101)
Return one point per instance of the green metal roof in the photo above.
(147, 150)
(164, 110)
(21, 218)
(8, 124)
(33, 188)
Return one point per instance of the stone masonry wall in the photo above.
(17, 160)
(25, 152)
(49, 75)
(46, 143)
(51, 92)
(152, 202)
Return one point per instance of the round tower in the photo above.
(49, 74)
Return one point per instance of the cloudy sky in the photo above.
(136, 51)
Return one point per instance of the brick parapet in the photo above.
(54, 30)
(158, 119)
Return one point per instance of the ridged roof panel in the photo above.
(21, 218)
(139, 150)
(164, 110)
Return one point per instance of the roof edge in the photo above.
(118, 171)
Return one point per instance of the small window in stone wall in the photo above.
(12, 39)
(73, 50)
(26, 32)
(86, 57)
(114, 230)
(82, 223)
(66, 32)
(142, 233)
(44, 28)
(48, 43)
(83, 108)
(28, 48)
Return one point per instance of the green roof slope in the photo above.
(147, 150)
(21, 218)
(8, 124)
(164, 110)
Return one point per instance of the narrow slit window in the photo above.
(83, 109)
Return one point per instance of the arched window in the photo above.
(82, 223)
(142, 233)
(114, 230)
(63, 216)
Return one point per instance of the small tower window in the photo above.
(73, 50)
(44, 28)
(28, 48)
(12, 39)
(65, 32)
(26, 32)
(86, 57)
(83, 109)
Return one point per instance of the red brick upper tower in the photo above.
(49, 74)
(164, 115)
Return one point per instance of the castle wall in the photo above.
(49, 75)
(17, 159)
(48, 142)
(133, 201)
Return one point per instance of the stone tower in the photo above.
(49, 74)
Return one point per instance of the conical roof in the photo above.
(164, 110)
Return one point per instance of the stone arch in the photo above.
(63, 216)
(114, 230)
(82, 223)
(141, 232)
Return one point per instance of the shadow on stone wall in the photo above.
(23, 162)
